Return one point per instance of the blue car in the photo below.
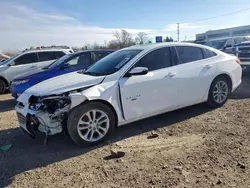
(66, 64)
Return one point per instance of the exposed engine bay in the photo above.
(51, 114)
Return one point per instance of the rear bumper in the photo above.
(236, 85)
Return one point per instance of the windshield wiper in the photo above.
(92, 73)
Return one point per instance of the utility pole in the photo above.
(178, 31)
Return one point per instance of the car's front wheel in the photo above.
(219, 92)
(90, 123)
(2, 86)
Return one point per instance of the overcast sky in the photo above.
(78, 22)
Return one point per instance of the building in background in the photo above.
(222, 33)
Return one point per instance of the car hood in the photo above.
(61, 84)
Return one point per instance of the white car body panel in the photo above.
(137, 97)
(157, 86)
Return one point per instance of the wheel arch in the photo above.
(225, 75)
(5, 80)
(105, 103)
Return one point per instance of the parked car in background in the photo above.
(243, 53)
(27, 61)
(128, 85)
(68, 63)
(226, 44)
(3, 57)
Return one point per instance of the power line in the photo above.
(219, 16)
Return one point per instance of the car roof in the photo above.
(84, 51)
(164, 44)
(46, 50)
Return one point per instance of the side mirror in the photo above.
(64, 66)
(137, 71)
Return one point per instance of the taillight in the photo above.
(238, 61)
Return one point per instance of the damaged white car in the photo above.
(128, 85)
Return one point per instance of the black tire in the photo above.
(211, 99)
(76, 113)
(3, 86)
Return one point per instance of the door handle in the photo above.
(171, 74)
(208, 66)
(33, 67)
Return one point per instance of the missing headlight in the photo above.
(55, 103)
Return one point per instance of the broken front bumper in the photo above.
(32, 121)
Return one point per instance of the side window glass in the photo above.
(59, 54)
(157, 59)
(99, 55)
(26, 59)
(230, 42)
(209, 53)
(188, 54)
(46, 56)
(81, 60)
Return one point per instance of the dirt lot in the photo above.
(195, 147)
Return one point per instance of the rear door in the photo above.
(23, 64)
(195, 70)
(46, 58)
(149, 94)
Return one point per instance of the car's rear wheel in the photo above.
(219, 92)
(90, 123)
(3, 86)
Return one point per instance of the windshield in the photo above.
(58, 61)
(218, 44)
(8, 60)
(112, 63)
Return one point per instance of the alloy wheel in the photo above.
(93, 125)
(220, 92)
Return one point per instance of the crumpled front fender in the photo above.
(76, 99)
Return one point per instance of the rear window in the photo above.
(188, 54)
(209, 53)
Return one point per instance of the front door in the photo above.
(149, 94)
(23, 64)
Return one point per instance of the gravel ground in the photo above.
(191, 147)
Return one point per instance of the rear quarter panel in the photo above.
(230, 67)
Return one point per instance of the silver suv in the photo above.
(27, 61)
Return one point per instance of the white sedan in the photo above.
(131, 84)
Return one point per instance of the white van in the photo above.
(27, 61)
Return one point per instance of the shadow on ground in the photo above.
(243, 91)
(7, 105)
(26, 155)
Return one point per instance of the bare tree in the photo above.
(113, 44)
(141, 38)
(124, 38)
